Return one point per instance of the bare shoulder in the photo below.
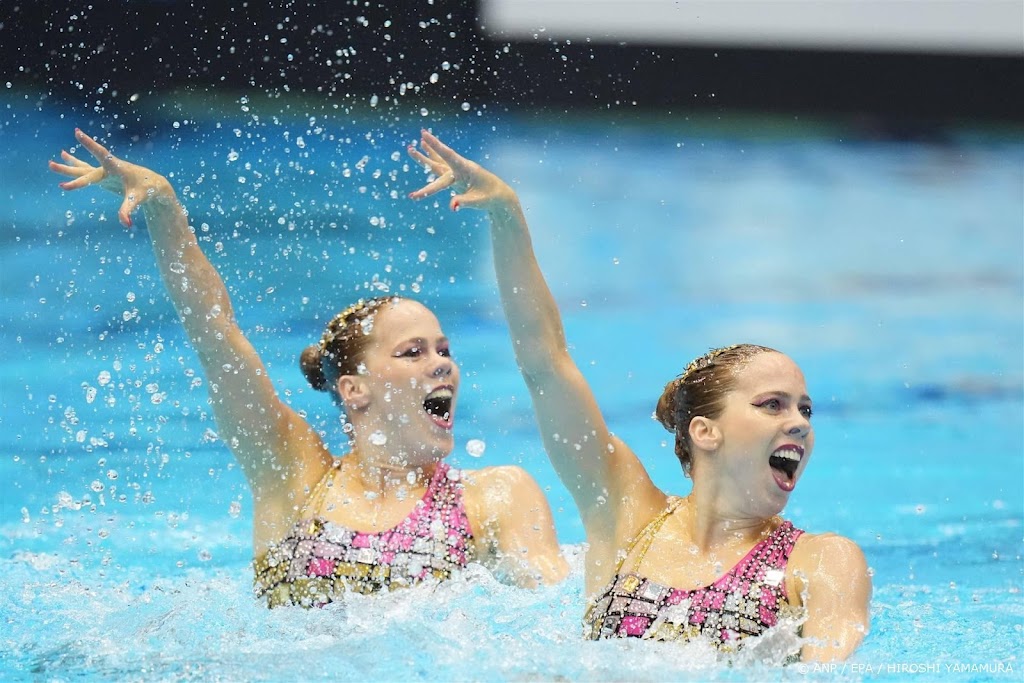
(815, 549)
(498, 475)
(499, 484)
(828, 559)
(505, 499)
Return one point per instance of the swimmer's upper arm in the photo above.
(605, 478)
(271, 442)
(268, 438)
(513, 514)
(602, 473)
(838, 595)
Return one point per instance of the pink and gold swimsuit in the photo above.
(745, 601)
(319, 559)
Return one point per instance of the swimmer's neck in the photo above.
(381, 473)
(711, 525)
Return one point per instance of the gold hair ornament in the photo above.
(705, 361)
(329, 333)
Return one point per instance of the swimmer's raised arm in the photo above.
(270, 441)
(594, 464)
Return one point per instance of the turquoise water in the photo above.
(893, 272)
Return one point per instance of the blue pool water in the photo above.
(891, 271)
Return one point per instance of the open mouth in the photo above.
(784, 463)
(438, 405)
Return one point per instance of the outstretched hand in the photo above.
(473, 185)
(135, 183)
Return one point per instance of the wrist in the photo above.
(160, 196)
(505, 202)
(161, 189)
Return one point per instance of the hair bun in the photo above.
(311, 363)
(665, 413)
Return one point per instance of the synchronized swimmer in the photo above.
(390, 512)
(741, 417)
(719, 564)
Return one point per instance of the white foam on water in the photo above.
(205, 624)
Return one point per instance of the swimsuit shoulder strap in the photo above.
(316, 497)
(775, 551)
(646, 536)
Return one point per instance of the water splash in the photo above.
(476, 447)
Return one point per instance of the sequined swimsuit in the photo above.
(745, 601)
(319, 560)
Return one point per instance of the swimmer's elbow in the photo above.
(555, 571)
(544, 572)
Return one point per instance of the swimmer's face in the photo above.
(413, 383)
(765, 437)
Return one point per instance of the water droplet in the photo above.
(475, 447)
(465, 106)
(378, 438)
(204, 555)
(235, 508)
